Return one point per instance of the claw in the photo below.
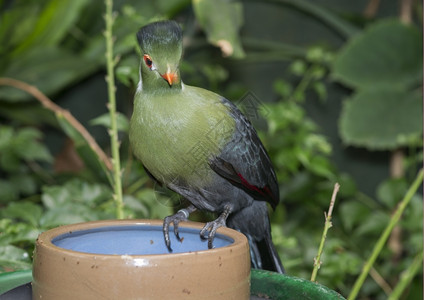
(209, 230)
(181, 215)
(166, 223)
(176, 232)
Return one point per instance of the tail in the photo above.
(253, 221)
(264, 256)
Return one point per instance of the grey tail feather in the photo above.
(264, 255)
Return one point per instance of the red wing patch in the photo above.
(265, 191)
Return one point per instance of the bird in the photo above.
(201, 146)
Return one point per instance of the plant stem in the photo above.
(113, 132)
(383, 238)
(407, 276)
(302, 86)
(328, 224)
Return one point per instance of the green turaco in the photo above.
(199, 145)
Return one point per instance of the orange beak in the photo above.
(171, 78)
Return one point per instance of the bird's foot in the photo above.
(209, 231)
(181, 215)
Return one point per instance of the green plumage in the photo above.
(176, 133)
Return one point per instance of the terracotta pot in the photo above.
(127, 259)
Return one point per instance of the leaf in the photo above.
(414, 212)
(374, 224)
(14, 233)
(26, 144)
(321, 166)
(76, 201)
(391, 191)
(53, 23)
(386, 53)
(136, 206)
(86, 153)
(104, 120)
(69, 213)
(321, 90)
(6, 135)
(382, 118)
(24, 211)
(25, 183)
(352, 214)
(170, 7)
(282, 87)
(127, 70)
(21, 144)
(13, 258)
(75, 191)
(298, 67)
(27, 114)
(48, 68)
(54, 196)
(7, 192)
(221, 20)
(12, 35)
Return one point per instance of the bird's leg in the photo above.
(214, 225)
(181, 215)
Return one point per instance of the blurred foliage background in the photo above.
(336, 89)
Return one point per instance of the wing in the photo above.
(244, 161)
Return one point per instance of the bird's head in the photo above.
(161, 47)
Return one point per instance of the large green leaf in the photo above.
(221, 19)
(388, 52)
(10, 34)
(382, 118)
(54, 22)
(50, 69)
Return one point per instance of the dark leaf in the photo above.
(221, 19)
(387, 53)
(382, 118)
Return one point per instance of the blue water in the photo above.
(135, 240)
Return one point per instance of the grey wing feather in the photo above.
(244, 161)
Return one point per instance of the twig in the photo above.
(407, 276)
(397, 170)
(383, 238)
(328, 225)
(406, 11)
(371, 9)
(336, 23)
(380, 281)
(59, 112)
(113, 132)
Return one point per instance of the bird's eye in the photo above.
(148, 61)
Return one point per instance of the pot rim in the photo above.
(44, 240)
